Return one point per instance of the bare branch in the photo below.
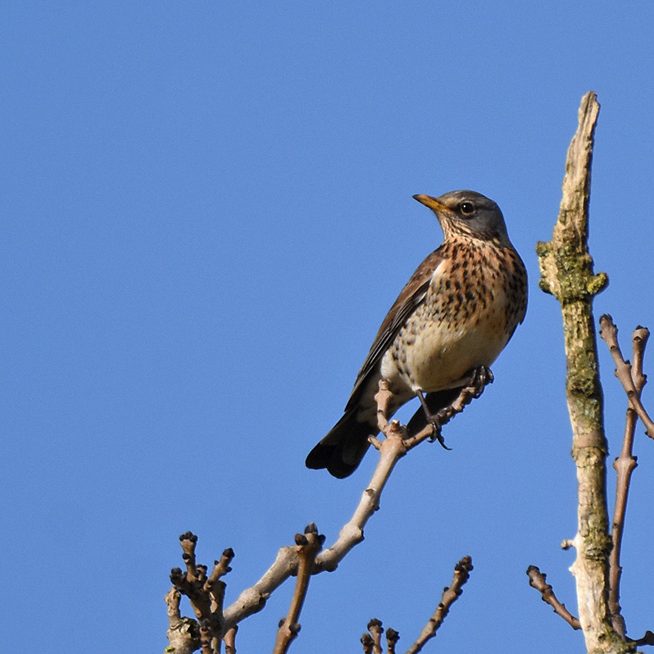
(391, 449)
(308, 545)
(538, 580)
(450, 595)
(626, 463)
(639, 343)
(253, 599)
(206, 593)
(609, 333)
(215, 588)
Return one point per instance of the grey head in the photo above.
(469, 214)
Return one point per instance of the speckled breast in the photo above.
(475, 300)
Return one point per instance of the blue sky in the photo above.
(206, 213)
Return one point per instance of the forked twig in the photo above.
(626, 463)
(205, 594)
(609, 333)
(371, 641)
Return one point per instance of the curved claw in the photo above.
(439, 437)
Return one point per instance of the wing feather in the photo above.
(409, 299)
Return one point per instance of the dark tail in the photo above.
(343, 448)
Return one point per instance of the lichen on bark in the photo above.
(567, 273)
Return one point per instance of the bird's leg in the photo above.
(479, 378)
(433, 418)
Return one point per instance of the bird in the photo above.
(454, 316)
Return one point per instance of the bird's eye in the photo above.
(466, 208)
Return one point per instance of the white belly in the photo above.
(436, 357)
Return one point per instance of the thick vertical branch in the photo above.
(567, 273)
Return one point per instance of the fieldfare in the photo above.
(453, 318)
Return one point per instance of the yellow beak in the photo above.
(430, 202)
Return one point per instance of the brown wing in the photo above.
(409, 299)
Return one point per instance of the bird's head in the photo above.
(469, 214)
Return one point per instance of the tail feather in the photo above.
(342, 449)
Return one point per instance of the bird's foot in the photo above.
(438, 434)
(436, 420)
(481, 377)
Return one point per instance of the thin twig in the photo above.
(626, 463)
(376, 630)
(192, 583)
(609, 333)
(450, 595)
(392, 637)
(367, 643)
(308, 545)
(538, 580)
(220, 569)
(215, 587)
